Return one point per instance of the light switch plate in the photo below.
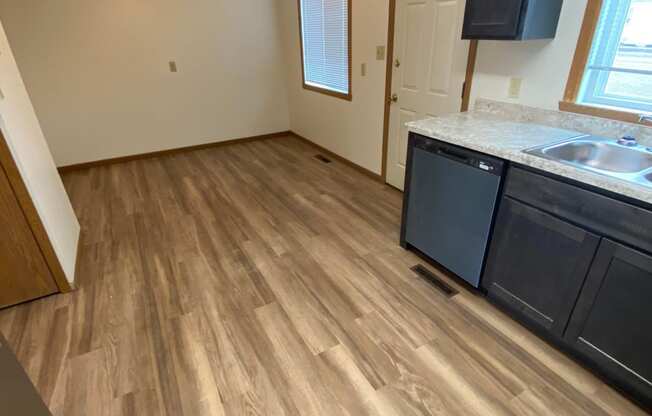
(380, 53)
(173, 66)
(363, 69)
(515, 87)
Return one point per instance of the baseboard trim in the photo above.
(376, 177)
(148, 155)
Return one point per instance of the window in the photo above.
(326, 46)
(612, 69)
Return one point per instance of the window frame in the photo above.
(578, 70)
(348, 96)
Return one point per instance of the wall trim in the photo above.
(470, 70)
(148, 155)
(389, 67)
(376, 177)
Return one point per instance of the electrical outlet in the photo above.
(173, 66)
(514, 90)
(363, 69)
(380, 53)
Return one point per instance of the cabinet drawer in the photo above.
(619, 220)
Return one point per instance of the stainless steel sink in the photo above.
(603, 156)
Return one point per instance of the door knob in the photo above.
(397, 63)
(394, 98)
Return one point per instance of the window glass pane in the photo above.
(325, 32)
(633, 86)
(619, 71)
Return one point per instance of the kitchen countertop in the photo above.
(499, 136)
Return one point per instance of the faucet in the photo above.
(645, 118)
(629, 141)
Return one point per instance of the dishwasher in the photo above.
(451, 195)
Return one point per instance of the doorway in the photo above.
(429, 72)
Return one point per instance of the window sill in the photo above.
(347, 97)
(620, 115)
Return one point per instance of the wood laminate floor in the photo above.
(254, 279)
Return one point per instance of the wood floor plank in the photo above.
(310, 395)
(254, 279)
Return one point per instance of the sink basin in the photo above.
(603, 156)
(606, 156)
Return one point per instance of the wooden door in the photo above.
(24, 275)
(537, 265)
(429, 71)
(612, 322)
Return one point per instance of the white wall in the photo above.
(543, 65)
(353, 130)
(98, 76)
(30, 151)
(97, 72)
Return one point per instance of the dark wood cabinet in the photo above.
(612, 322)
(574, 265)
(537, 265)
(511, 19)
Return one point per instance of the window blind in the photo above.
(325, 37)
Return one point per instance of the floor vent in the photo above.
(442, 286)
(322, 158)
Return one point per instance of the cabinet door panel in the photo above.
(537, 265)
(494, 18)
(612, 322)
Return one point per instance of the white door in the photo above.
(429, 71)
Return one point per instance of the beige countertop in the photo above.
(498, 134)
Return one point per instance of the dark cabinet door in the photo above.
(537, 265)
(497, 19)
(612, 322)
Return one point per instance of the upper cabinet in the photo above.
(511, 19)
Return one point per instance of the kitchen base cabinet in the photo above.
(574, 266)
(537, 265)
(612, 322)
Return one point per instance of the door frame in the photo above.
(8, 164)
(466, 93)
